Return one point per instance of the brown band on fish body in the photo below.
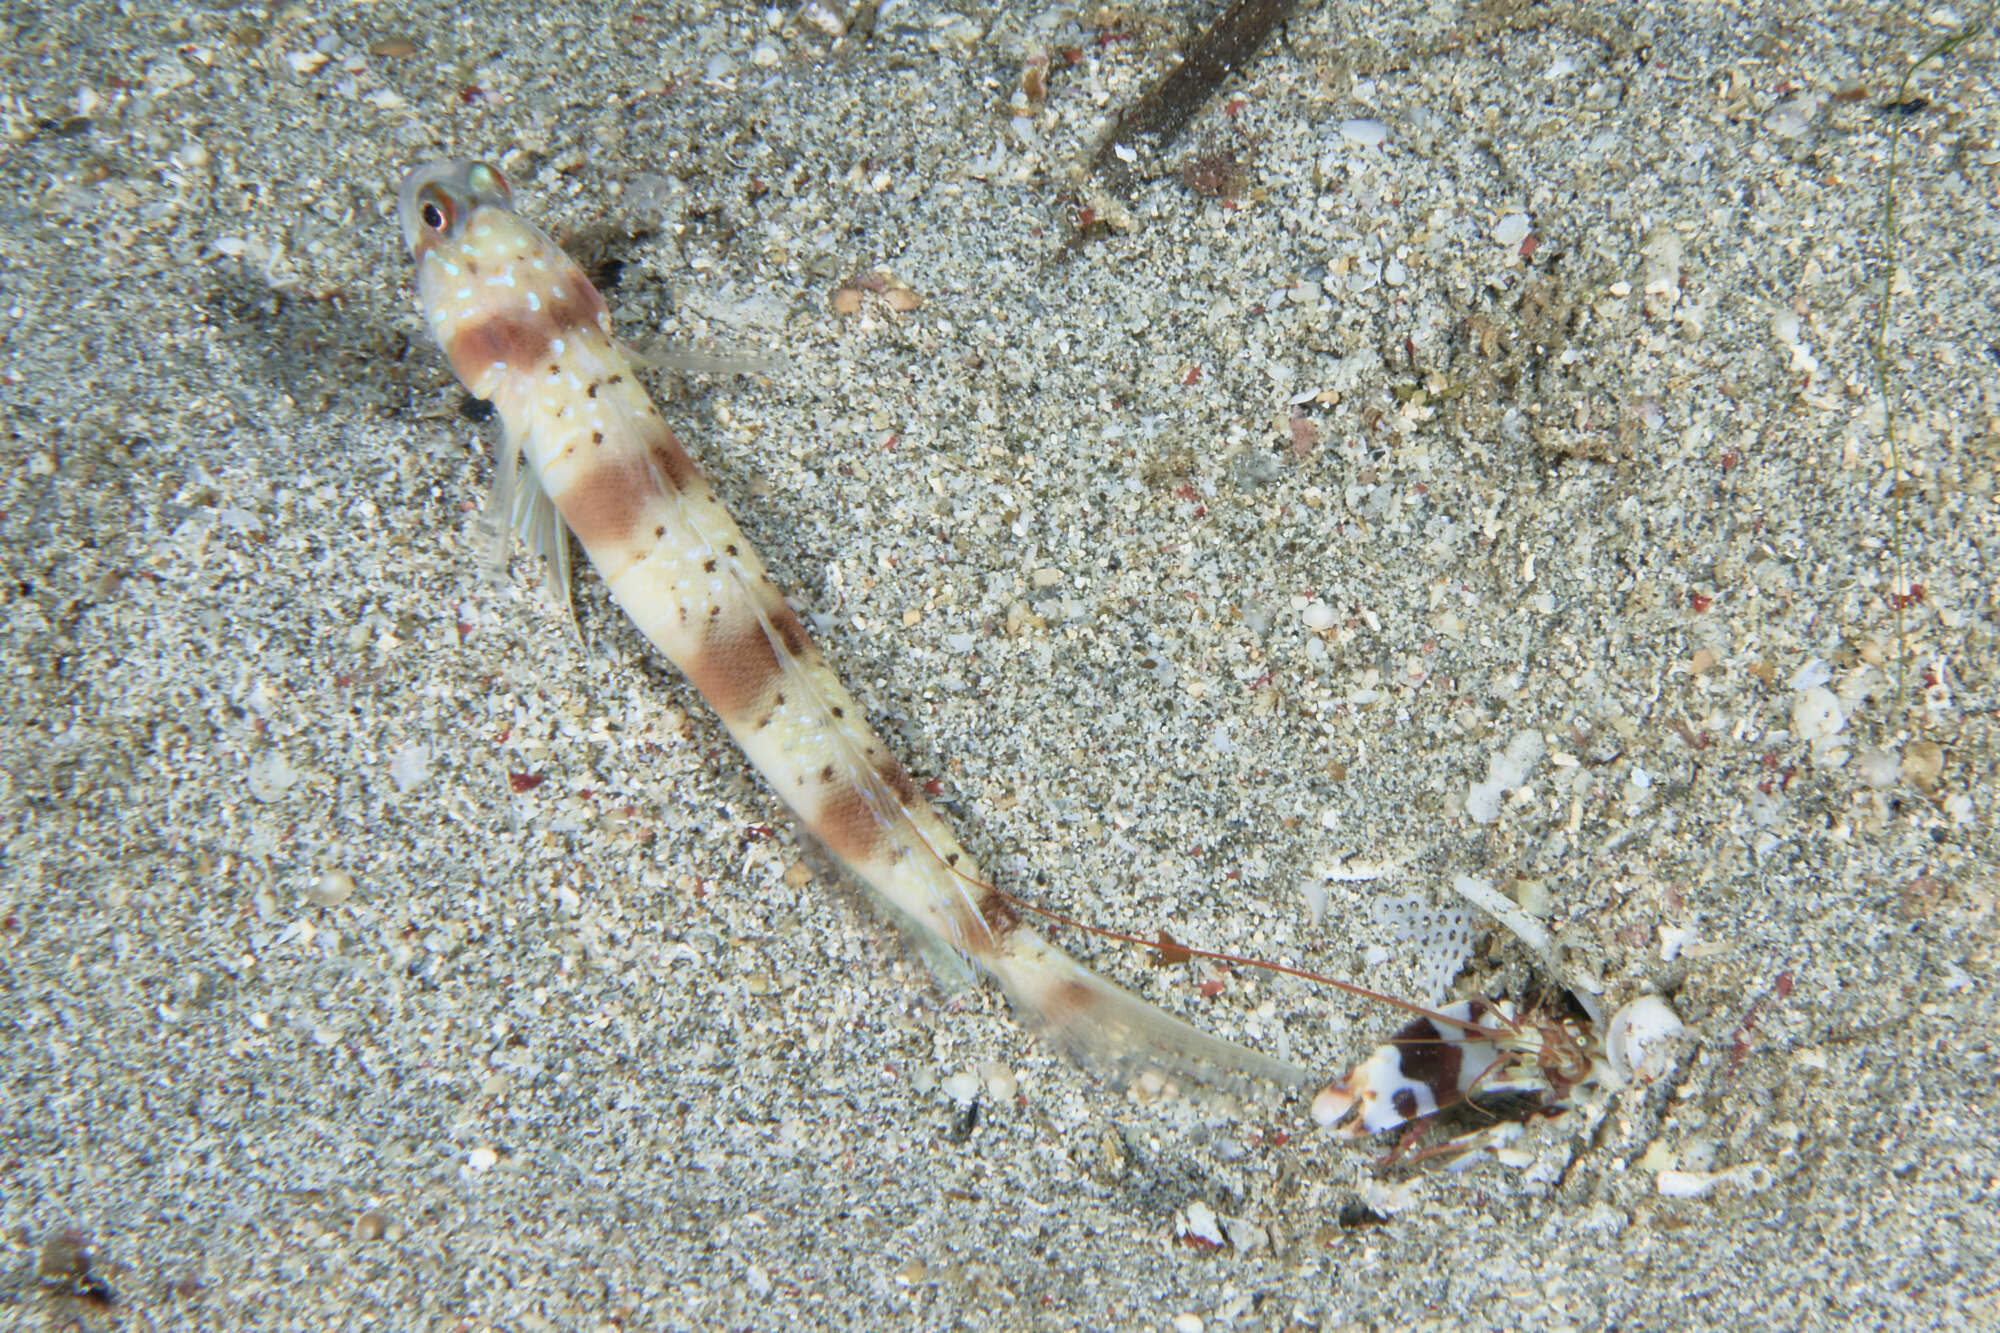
(735, 668)
(511, 340)
(519, 341)
(1067, 1002)
(607, 505)
(848, 823)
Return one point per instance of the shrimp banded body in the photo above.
(524, 329)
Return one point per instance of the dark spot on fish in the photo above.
(790, 631)
(676, 469)
(898, 780)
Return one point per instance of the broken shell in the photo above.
(1641, 1039)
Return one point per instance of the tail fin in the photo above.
(1108, 1029)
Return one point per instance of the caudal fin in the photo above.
(1110, 1030)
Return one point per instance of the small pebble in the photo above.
(1511, 230)
(333, 888)
(1001, 1085)
(410, 766)
(1200, 1223)
(1879, 768)
(1923, 765)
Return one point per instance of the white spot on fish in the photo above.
(534, 301)
(556, 344)
(448, 266)
(465, 294)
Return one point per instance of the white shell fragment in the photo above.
(1504, 910)
(1505, 772)
(1365, 133)
(410, 766)
(1441, 938)
(1816, 714)
(962, 1087)
(1753, 1177)
(1641, 1038)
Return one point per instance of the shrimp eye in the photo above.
(433, 217)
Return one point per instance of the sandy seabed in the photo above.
(375, 952)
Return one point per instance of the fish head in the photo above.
(437, 201)
(498, 293)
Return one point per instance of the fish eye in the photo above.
(435, 209)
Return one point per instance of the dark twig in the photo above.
(1166, 108)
